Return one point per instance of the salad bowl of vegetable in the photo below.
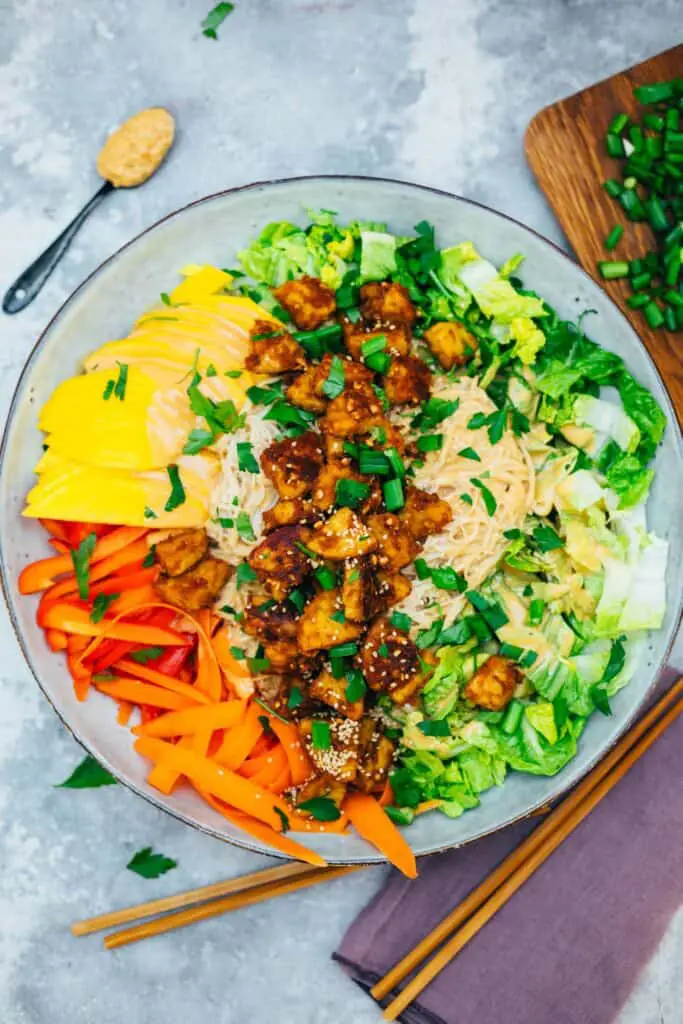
(367, 529)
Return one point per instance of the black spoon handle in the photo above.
(28, 284)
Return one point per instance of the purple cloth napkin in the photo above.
(568, 947)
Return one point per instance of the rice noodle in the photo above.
(473, 541)
(238, 491)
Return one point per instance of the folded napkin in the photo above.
(570, 944)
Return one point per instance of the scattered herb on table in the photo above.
(215, 18)
(89, 774)
(149, 864)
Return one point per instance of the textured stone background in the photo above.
(436, 91)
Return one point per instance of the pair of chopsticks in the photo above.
(463, 923)
(186, 908)
(458, 927)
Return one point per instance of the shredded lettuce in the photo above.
(377, 255)
(495, 296)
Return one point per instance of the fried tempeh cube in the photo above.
(390, 661)
(290, 511)
(424, 513)
(376, 757)
(198, 587)
(325, 489)
(387, 301)
(318, 630)
(320, 785)
(493, 685)
(273, 350)
(407, 381)
(356, 335)
(308, 301)
(303, 391)
(359, 589)
(179, 552)
(451, 343)
(332, 692)
(270, 621)
(340, 758)
(396, 546)
(279, 562)
(294, 463)
(391, 588)
(344, 535)
(355, 411)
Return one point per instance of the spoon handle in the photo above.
(28, 284)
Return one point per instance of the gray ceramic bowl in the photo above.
(213, 230)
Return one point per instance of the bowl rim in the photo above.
(6, 583)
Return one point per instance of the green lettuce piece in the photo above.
(378, 255)
(615, 590)
(556, 379)
(589, 668)
(511, 265)
(281, 251)
(542, 717)
(480, 770)
(644, 606)
(444, 688)
(526, 750)
(495, 296)
(629, 480)
(607, 418)
(642, 408)
(528, 338)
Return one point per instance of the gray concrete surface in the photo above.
(437, 91)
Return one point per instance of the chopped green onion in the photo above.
(536, 611)
(430, 442)
(346, 650)
(618, 124)
(653, 314)
(393, 495)
(320, 735)
(325, 577)
(612, 269)
(371, 462)
(513, 717)
(379, 362)
(245, 458)
(396, 462)
(422, 569)
(614, 237)
(374, 345)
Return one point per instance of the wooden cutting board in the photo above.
(566, 149)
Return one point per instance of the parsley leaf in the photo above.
(244, 574)
(350, 493)
(197, 440)
(333, 385)
(245, 458)
(244, 527)
(149, 514)
(480, 419)
(148, 864)
(546, 538)
(490, 502)
(321, 808)
(615, 664)
(146, 654)
(177, 495)
(437, 728)
(496, 425)
(150, 558)
(81, 561)
(100, 606)
(89, 774)
(600, 699)
(469, 453)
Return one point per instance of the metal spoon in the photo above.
(128, 158)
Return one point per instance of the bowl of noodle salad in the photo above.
(447, 503)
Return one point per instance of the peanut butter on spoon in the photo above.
(135, 150)
(131, 155)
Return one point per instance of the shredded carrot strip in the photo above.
(124, 712)
(56, 639)
(41, 574)
(182, 723)
(288, 735)
(373, 824)
(273, 772)
(239, 742)
(150, 675)
(144, 693)
(224, 784)
(71, 619)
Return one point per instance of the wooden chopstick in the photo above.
(529, 855)
(185, 899)
(204, 911)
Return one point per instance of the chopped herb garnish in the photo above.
(434, 411)
(400, 620)
(150, 558)
(448, 579)
(434, 728)
(430, 442)
(496, 425)
(295, 698)
(546, 538)
(146, 654)
(307, 551)
(333, 384)
(480, 419)
(177, 495)
(149, 514)
(238, 653)
(429, 637)
(80, 557)
(226, 522)
(211, 371)
(215, 18)
(297, 598)
(351, 493)
(355, 686)
(197, 440)
(422, 569)
(325, 577)
(256, 665)
(519, 422)
(383, 651)
(458, 633)
(109, 390)
(322, 808)
(393, 495)
(338, 617)
(166, 299)
(245, 458)
(283, 818)
(345, 650)
(244, 574)
(512, 534)
(100, 606)
(490, 502)
(373, 345)
(320, 735)
(89, 774)
(234, 374)
(617, 656)
(600, 699)
(467, 498)
(148, 864)
(469, 453)
(536, 611)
